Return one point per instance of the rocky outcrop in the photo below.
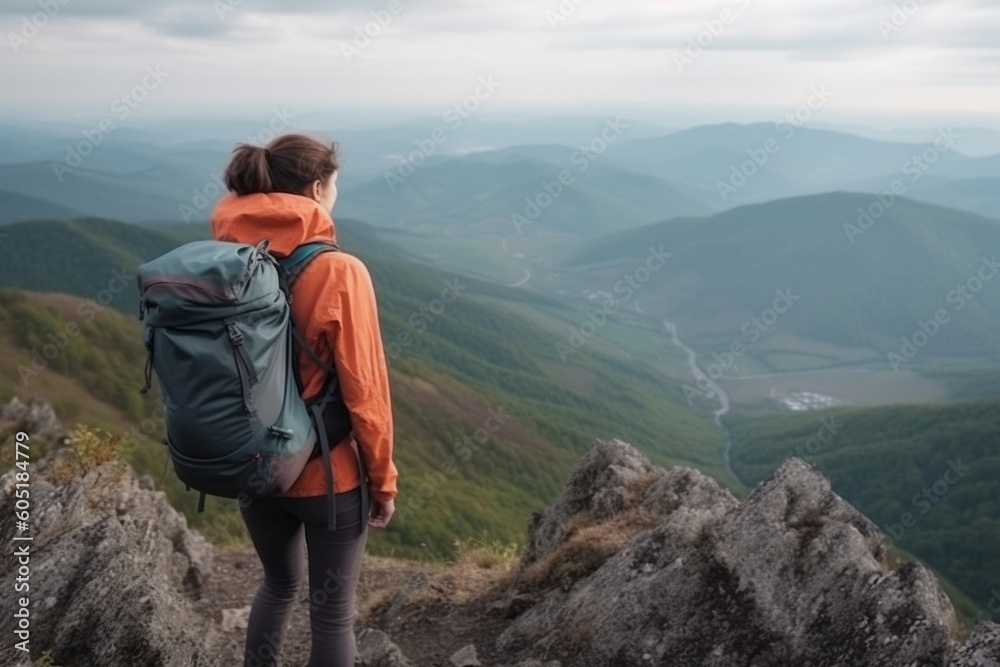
(375, 649)
(794, 575)
(633, 564)
(111, 569)
(35, 417)
(981, 649)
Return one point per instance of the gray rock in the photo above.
(793, 575)
(388, 613)
(981, 649)
(465, 657)
(36, 418)
(235, 619)
(375, 649)
(612, 478)
(113, 570)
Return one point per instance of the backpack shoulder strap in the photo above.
(295, 263)
(290, 268)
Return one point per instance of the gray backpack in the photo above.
(219, 334)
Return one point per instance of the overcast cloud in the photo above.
(939, 59)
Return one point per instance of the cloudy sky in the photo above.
(926, 61)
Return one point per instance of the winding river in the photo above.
(716, 390)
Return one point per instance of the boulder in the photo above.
(792, 575)
(112, 570)
(37, 418)
(375, 649)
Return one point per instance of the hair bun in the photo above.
(299, 160)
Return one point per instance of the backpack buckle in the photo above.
(283, 433)
(235, 334)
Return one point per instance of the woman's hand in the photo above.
(380, 513)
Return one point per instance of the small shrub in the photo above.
(46, 660)
(587, 547)
(87, 448)
(485, 554)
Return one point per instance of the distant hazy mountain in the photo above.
(735, 164)
(154, 193)
(854, 286)
(975, 141)
(483, 192)
(979, 195)
(15, 206)
(140, 175)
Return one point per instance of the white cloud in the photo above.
(604, 54)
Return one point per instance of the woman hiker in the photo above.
(285, 193)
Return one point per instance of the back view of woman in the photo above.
(285, 193)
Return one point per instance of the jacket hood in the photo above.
(286, 220)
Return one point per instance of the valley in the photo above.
(621, 300)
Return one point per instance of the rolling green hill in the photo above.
(979, 195)
(91, 258)
(449, 369)
(860, 286)
(15, 207)
(153, 193)
(927, 475)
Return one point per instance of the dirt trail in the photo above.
(429, 625)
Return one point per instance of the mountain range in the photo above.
(597, 282)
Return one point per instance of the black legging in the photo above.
(276, 528)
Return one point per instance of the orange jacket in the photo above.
(334, 306)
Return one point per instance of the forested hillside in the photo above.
(862, 280)
(452, 364)
(927, 475)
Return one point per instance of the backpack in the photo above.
(219, 334)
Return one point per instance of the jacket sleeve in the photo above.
(354, 335)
